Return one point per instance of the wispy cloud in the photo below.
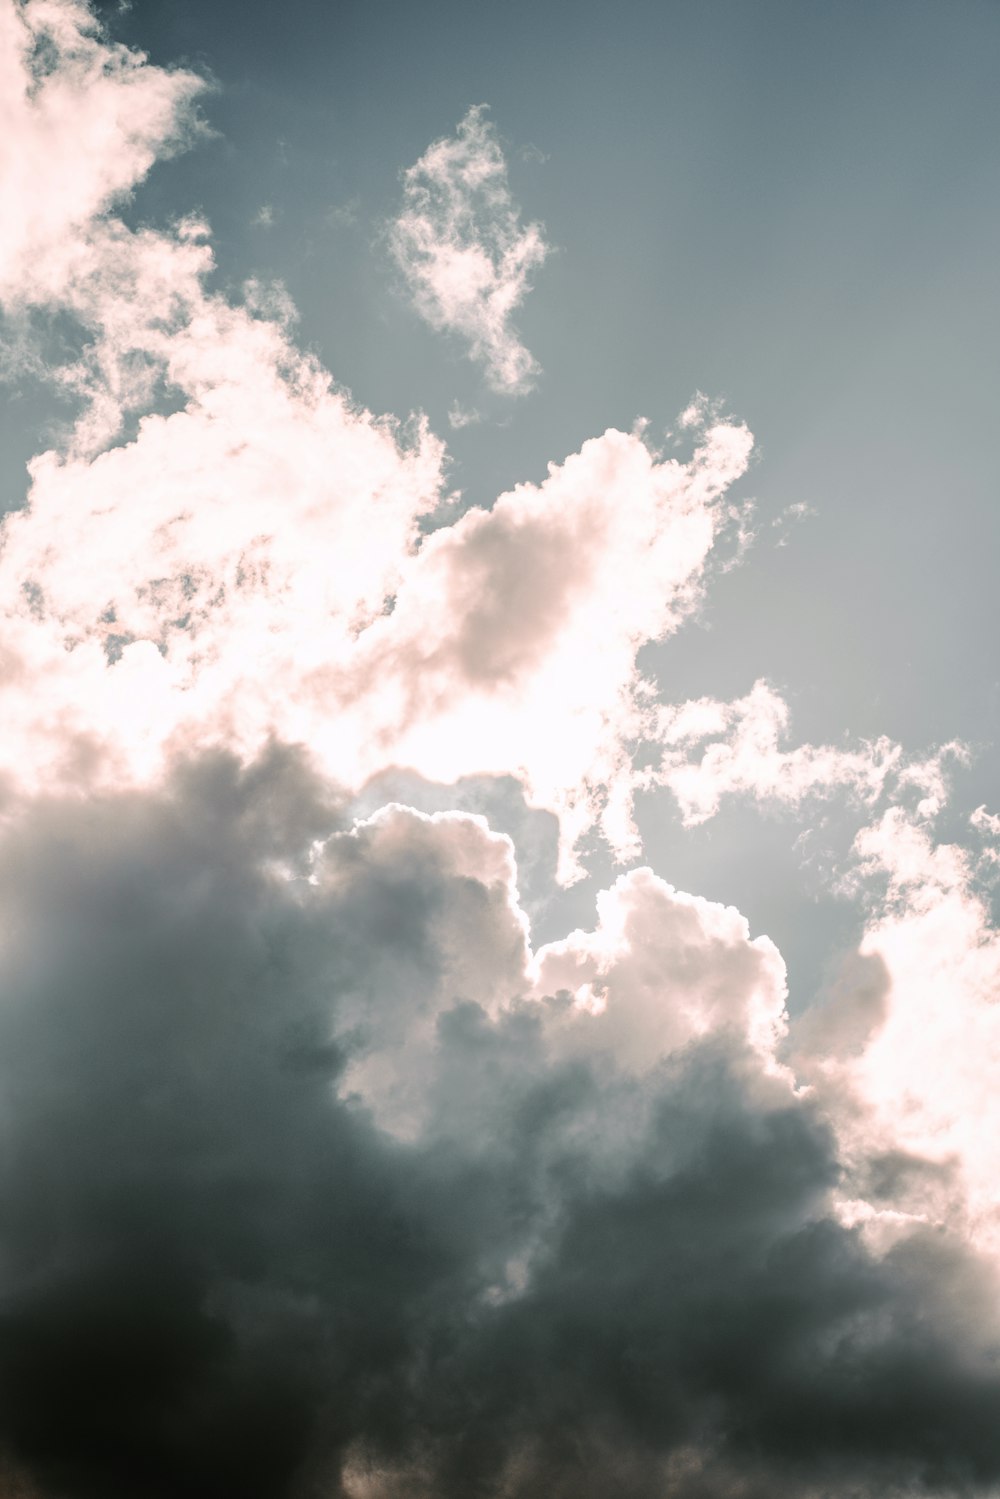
(465, 256)
(463, 416)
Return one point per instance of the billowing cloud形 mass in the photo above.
(325, 1171)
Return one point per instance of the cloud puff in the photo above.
(919, 1079)
(81, 122)
(316, 1177)
(318, 1174)
(463, 252)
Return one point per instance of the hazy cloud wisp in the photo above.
(463, 252)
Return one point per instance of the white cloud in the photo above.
(512, 647)
(81, 122)
(463, 252)
(742, 754)
(986, 823)
(926, 1077)
(590, 1156)
(219, 578)
(226, 558)
(652, 942)
(461, 416)
(250, 565)
(712, 750)
(800, 511)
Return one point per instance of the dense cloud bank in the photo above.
(250, 1246)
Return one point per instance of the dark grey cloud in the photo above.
(297, 1196)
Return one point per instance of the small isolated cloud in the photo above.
(466, 257)
(790, 516)
(265, 216)
(799, 511)
(461, 416)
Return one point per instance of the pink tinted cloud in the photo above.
(465, 257)
(82, 120)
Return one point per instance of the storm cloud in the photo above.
(311, 1184)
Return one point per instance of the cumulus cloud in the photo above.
(249, 565)
(985, 822)
(919, 1079)
(318, 1179)
(464, 254)
(320, 1175)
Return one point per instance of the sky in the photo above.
(499, 813)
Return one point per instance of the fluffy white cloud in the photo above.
(81, 122)
(512, 647)
(466, 257)
(662, 970)
(919, 1075)
(249, 565)
(299, 1105)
